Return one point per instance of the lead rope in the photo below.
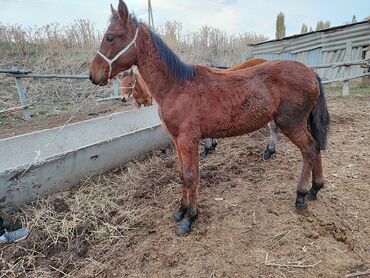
(38, 152)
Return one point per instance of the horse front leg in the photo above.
(271, 147)
(180, 213)
(188, 150)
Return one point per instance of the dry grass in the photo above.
(45, 48)
(209, 45)
(65, 226)
(50, 48)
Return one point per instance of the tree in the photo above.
(319, 25)
(311, 29)
(327, 24)
(354, 19)
(304, 28)
(322, 25)
(171, 32)
(280, 26)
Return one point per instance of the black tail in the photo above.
(319, 120)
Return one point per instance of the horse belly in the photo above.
(239, 114)
(241, 125)
(237, 123)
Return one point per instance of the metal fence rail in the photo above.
(19, 74)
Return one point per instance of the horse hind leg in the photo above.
(302, 138)
(271, 147)
(209, 146)
(317, 178)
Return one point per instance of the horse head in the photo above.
(128, 84)
(117, 51)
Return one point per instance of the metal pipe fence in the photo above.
(19, 74)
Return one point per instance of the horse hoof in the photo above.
(182, 232)
(184, 229)
(268, 153)
(185, 226)
(214, 145)
(203, 154)
(301, 207)
(178, 216)
(312, 195)
(300, 204)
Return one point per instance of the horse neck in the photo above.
(151, 68)
(142, 87)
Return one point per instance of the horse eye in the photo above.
(110, 39)
(130, 84)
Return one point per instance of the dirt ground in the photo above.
(247, 226)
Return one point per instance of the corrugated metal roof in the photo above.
(327, 30)
(321, 47)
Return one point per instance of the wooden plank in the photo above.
(364, 62)
(13, 109)
(110, 98)
(345, 79)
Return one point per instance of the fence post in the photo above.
(347, 69)
(116, 87)
(23, 98)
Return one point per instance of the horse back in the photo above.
(246, 64)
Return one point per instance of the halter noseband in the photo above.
(115, 58)
(132, 87)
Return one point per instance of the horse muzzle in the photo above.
(100, 80)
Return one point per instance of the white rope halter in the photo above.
(132, 87)
(115, 58)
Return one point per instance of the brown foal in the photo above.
(196, 102)
(133, 84)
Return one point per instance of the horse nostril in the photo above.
(124, 99)
(90, 76)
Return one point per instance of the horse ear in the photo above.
(122, 10)
(113, 10)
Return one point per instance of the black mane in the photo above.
(176, 67)
(113, 18)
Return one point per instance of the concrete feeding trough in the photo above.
(79, 151)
